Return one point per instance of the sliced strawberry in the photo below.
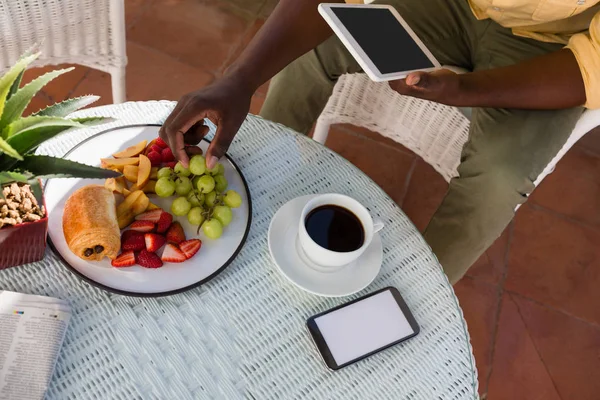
(155, 158)
(170, 164)
(142, 226)
(149, 260)
(161, 143)
(125, 259)
(175, 233)
(164, 222)
(172, 254)
(132, 240)
(152, 216)
(190, 247)
(154, 241)
(167, 155)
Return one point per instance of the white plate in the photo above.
(212, 258)
(287, 255)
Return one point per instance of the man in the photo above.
(527, 89)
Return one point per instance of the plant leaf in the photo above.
(9, 177)
(8, 150)
(7, 80)
(30, 138)
(68, 106)
(25, 123)
(14, 107)
(15, 86)
(53, 167)
(89, 121)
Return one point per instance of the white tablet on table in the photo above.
(379, 39)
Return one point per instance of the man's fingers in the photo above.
(178, 107)
(192, 150)
(195, 134)
(178, 148)
(223, 137)
(189, 116)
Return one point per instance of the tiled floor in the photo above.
(532, 301)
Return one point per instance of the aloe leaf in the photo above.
(89, 121)
(66, 107)
(53, 167)
(8, 150)
(36, 188)
(7, 80)
(9, 177)
(14, 107)
(15, 86)
(25, 123)
(29, 139)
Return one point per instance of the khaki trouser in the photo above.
(507, 148)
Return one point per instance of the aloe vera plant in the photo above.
(21, 135)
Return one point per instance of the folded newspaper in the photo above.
(32, 329)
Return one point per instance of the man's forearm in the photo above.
(293, 28)
(552, 81)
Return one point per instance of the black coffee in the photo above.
(335, 228)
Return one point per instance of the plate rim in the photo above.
(169, 292)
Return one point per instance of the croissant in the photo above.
(90, 223)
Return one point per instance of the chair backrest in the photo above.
(86, 32)
(435, 132)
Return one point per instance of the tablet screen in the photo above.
(383, 39)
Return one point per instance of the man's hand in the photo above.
(225, 102)
(442, 86)
(549, 82)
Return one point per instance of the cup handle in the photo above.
(377, 225)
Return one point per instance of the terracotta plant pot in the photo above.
(24, 243)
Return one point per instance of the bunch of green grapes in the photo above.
(202, 195)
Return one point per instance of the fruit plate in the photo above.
(213, 257)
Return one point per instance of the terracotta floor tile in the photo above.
(377, 137)
(386, 166)
(256, 104)
(591, 141)
(134, 9)
(555, 261)
(59, 88)
(518, 373)
(200, 33)
(491, 265)
(38, 102)
(253, 7)
(479, 302)
(262, 91)
(426, 191)
(573, 189)
(151, 75)
(268, 8)
(570, 349)
(243, 43)
(96, 83)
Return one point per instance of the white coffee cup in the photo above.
(329, 258)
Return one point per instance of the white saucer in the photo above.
(344, 281)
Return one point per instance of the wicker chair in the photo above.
(86, 32)
(433, 131)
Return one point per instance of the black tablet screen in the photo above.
(383, 39)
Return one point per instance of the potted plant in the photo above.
(23, 218)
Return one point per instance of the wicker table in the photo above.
(242, 335)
